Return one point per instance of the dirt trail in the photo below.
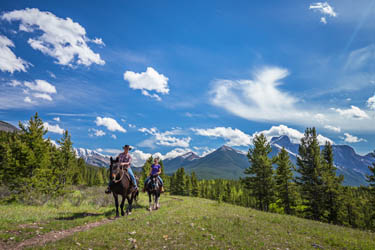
(54, 235)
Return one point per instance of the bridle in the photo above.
(122, 175)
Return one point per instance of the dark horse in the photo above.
(121, 185)
(153, 189)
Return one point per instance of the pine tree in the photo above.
(260, 181)
(331, 184)
(310, 170)
(227, 197)
(69, 165)
(180, 181)
(285, 189)
(371, 180)
(146, 168)
(188, 186)
(194, 185)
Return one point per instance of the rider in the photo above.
(125, 160)
(155, 170)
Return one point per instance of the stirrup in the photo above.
(108, 190)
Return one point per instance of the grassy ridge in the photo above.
(182, 222)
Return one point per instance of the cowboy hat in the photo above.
(127, 146)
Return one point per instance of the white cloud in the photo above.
(53, 128)
(110, 123)
(8, 60)
(61, 38)
(294, 135)
(175, 153)
(56, 119)
(361, 58)
(258, 99)
(332, 128)
(323, 8)
(14, 83)
(98, 41)
(352, 139)
(233, 137)
(164, 139)
(43, 96)
(147, 81)
(354, 113)
(114, 136)
(27, 99)
(323, 20)
(131, 125)
(41, 86)
(320, 118)
(139, 158)
(96, 132)
(371, 102)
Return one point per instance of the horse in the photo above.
(153, 189)
(121, 185)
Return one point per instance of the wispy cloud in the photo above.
(352, 139)
(332, 128)
(233, 137)
(352, 113)
(167, 138)
(8, 60)
(323, 8)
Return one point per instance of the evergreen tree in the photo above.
(310, 170)
(371, 180)
(285, 189)
(260, 181)
(194, 185)
(69, 165)
(331, 184)
(146, 168)
(180, 181)
(188, 186)
(227, 197)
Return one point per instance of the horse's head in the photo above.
(115, 168)
(154, 183)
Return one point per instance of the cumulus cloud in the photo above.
(41, 86)
(110, 124)
(53, 128)
(294, 135)
(167, 138)
(139, 158)
(150, 80)
(233, 137)
(8, 60)
(98, 41)
(371, 102)
(60, 38)
(114, 136)
(353, 113)
(56, 119)
(131, 125)
(333, 128)
(259, 98)
(96, 132)
(323, 8)
(352, 139)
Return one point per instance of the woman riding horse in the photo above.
(155, 171)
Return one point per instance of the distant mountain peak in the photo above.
(283, 139)
(190, 156)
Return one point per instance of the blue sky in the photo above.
(175, 76)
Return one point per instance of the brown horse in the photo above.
(121, 185)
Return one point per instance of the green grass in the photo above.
(188, 223)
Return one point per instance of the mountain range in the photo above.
(229, 163)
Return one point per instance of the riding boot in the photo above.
(162, 189)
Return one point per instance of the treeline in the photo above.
(31, 164)
(313, 192)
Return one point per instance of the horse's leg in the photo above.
(116, 203)
(130, 202)
(122, 205)
(149, 200)
(157, 200)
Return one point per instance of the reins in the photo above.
(116, 181)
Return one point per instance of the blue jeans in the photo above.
(131, 174)
(148, 178)
(130, 171)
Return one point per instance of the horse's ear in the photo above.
(111, 159)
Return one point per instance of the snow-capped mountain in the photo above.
(93, 157)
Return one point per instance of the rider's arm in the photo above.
(159, 172)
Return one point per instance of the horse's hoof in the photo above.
(122, 214)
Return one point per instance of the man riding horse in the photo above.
(125, 160)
